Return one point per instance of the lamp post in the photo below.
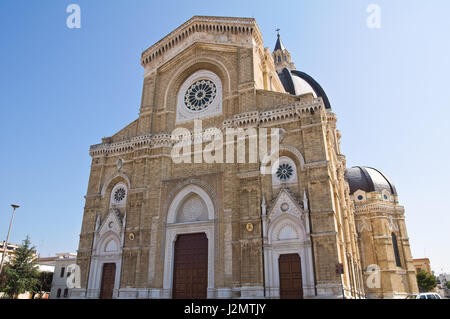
(5, 244)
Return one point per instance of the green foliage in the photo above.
(20, 273)
(425, 281)
(44, 283)
(447, 284)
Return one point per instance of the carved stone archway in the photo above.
(286, 231)
(190, 224)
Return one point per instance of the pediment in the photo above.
(113, 222)
(285, 203)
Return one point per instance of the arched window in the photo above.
(58, 294)
(66, 292)
(396, 252)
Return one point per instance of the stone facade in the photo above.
(381, 225)
(422, 264)
(138, 200)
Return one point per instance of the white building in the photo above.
(443, 278)
(63, 262)
(10, 251)
(46, 264)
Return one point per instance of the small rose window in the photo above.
(284, 172)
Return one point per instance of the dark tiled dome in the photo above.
(297, 83)
(368, 179)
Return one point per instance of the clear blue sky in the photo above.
(62, 90)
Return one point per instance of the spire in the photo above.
(279, 45)
(281, 56)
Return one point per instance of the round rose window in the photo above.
(200, 95)
(119, 194)
(284, 172)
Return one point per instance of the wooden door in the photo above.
(190, 273)
(290, 276)
(108, 278)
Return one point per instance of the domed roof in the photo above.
(295, 82)
(298, 83)
(368, 179)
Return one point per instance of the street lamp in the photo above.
(5, 244)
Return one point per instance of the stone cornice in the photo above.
(137, 142)
(278, 115)
(378, 207)
(235, 31)
(274, 116)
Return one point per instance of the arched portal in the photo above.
(289, 271)
(105, 267)
(189, 227)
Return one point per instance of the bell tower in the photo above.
(281, 56)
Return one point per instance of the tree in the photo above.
(20, 272)
(44, 283)
(426, 281)
(447, 284)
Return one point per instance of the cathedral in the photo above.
(155, 227)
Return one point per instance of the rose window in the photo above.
(200, 95)
(284, 172)
(119, 194)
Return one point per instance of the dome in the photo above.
(298, 83)
(295, 82)
(368, 179)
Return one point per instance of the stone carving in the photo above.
(284, 203)
(287, 232)
(284, 114)
(116, 212)
(192, 210)
(193, 181)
